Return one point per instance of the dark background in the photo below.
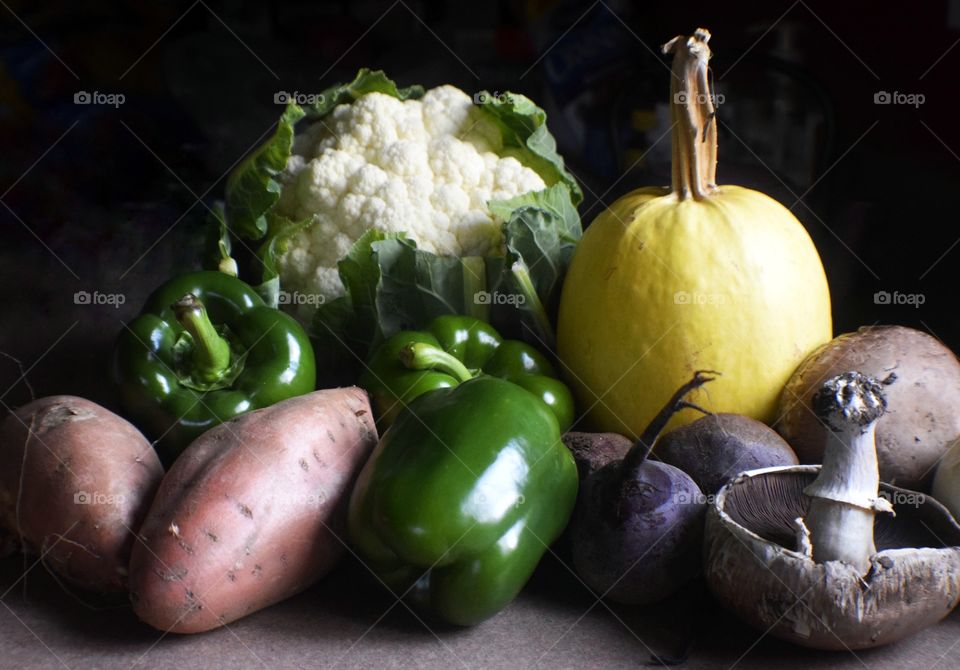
(111, 200)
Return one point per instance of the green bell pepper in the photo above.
(205, 349)
(463, 495)
(451, 350)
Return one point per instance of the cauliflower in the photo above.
(426, 167)
(431, 202)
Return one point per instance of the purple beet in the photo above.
(591, 451)
(715, 448)
(638, 525)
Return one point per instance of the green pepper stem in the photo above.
(640, 451)
(423, 356)
(211, 352)
(530, 298)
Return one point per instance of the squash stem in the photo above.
(694, 134)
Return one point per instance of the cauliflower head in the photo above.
(426, 167)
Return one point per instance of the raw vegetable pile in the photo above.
(433, 243)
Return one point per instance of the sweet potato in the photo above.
(252, 512)
(75, 482)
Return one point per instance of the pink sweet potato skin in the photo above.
(251, 512)
(76, 481)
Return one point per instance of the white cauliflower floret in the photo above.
(445, 110)
(508, 174)
(424, 167)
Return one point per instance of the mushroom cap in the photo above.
(753, 568)
(922, 418)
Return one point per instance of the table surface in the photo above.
(349, 621)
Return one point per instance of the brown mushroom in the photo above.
(788, 549)
(923, 393)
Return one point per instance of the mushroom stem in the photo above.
(845, 495)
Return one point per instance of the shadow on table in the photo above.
(95, 617)
(690, 626)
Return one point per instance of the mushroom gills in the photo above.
(770, 504)
(756, 566)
